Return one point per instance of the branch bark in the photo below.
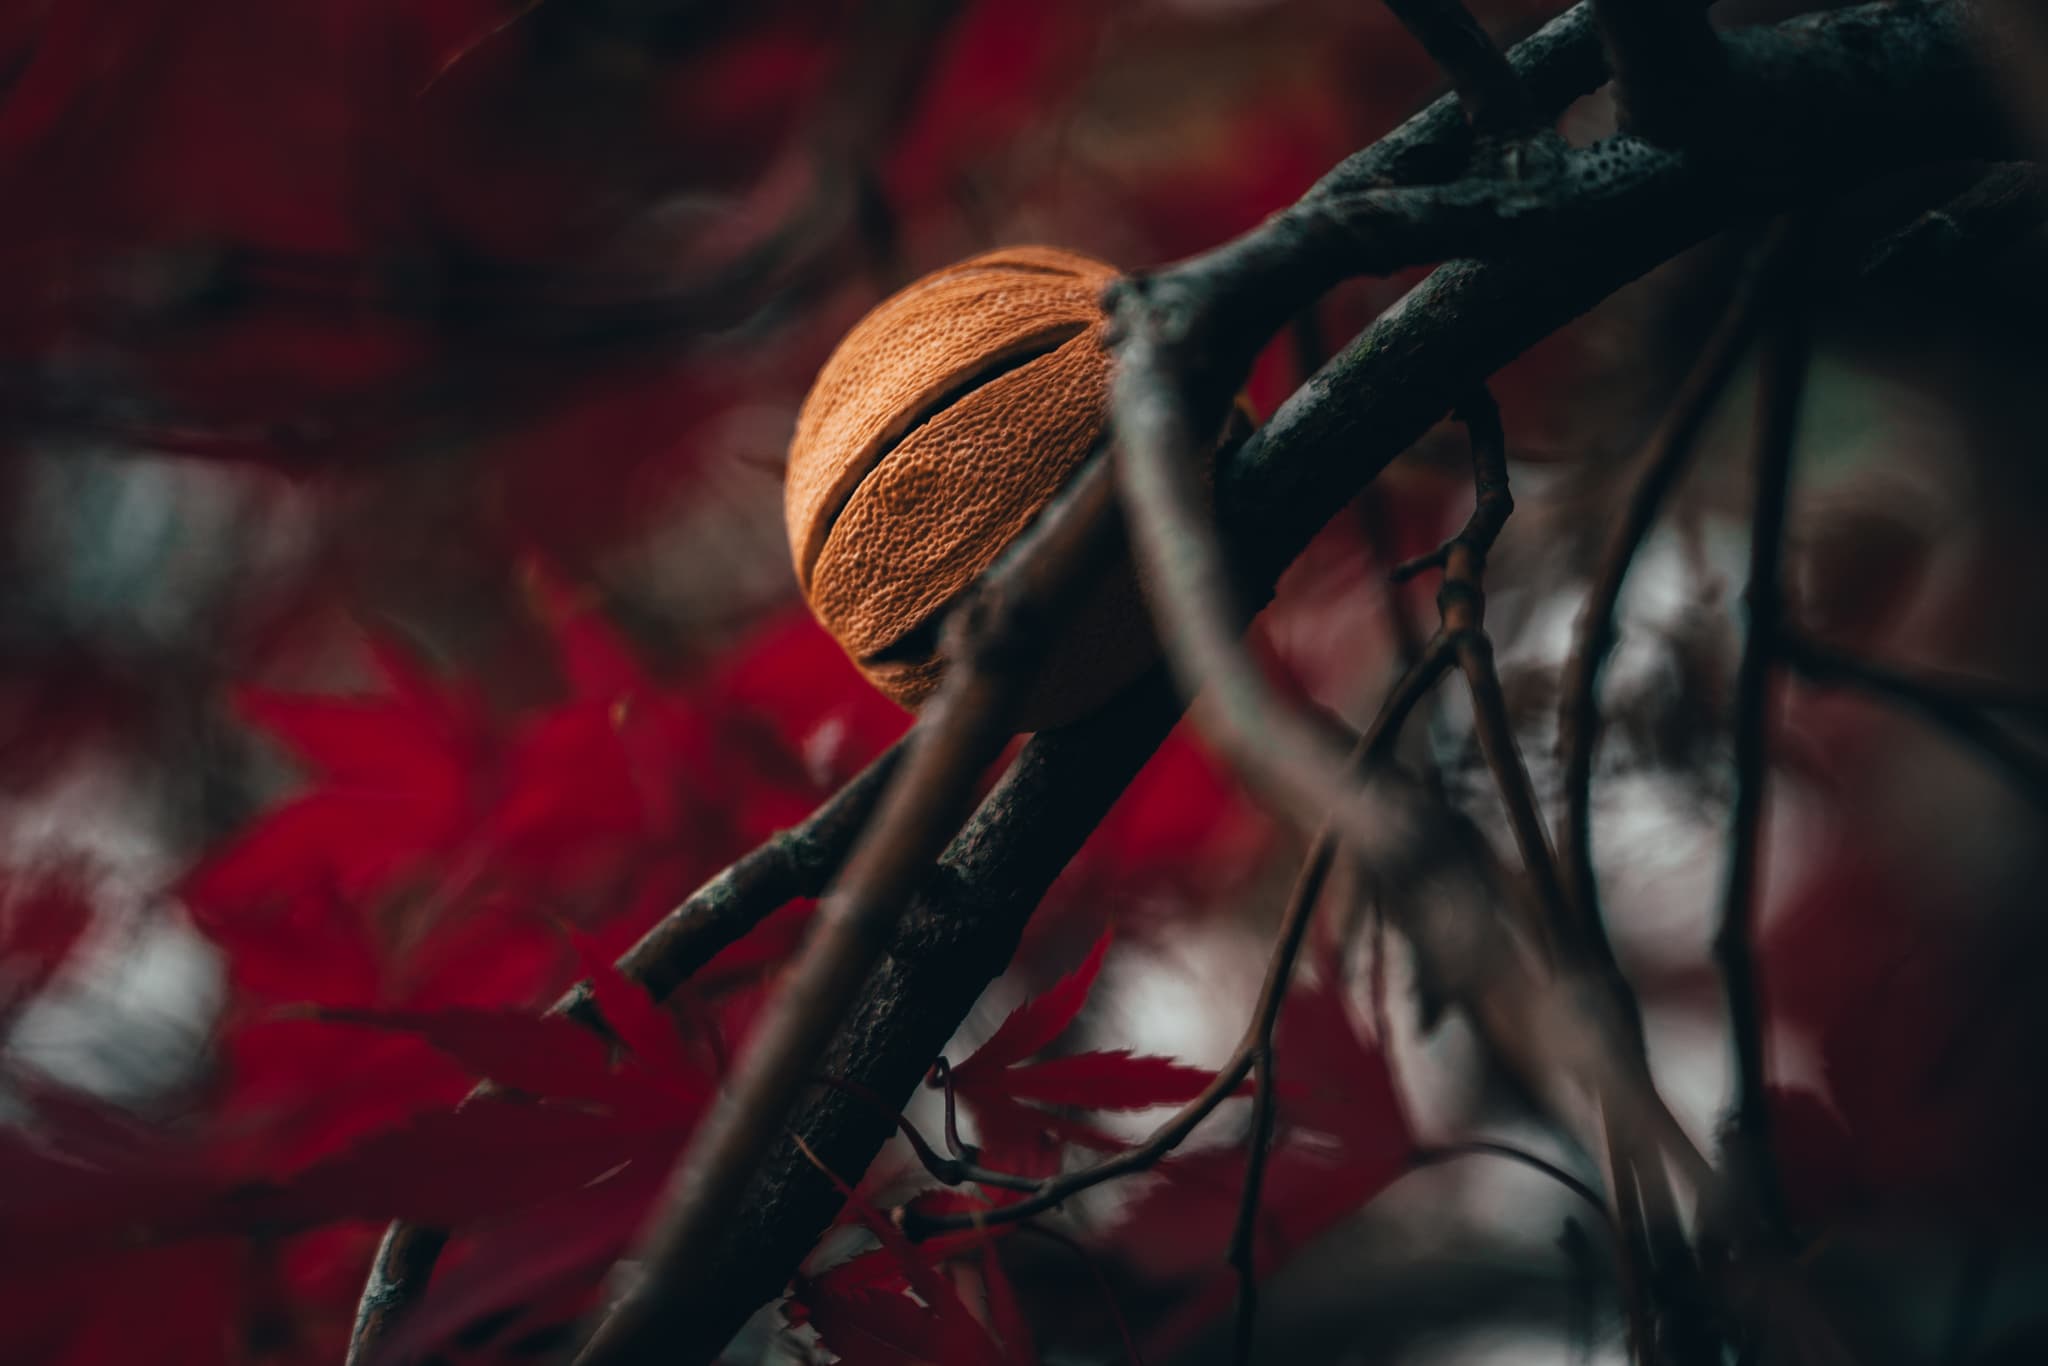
(1486, 85)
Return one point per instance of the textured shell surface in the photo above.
(941, 426)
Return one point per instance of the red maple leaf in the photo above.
(1914, 1109)
(43, 915)
(864, 1311)
(1006, 1090)
(1340, 1140)
(398, 781)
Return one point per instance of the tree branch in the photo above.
(1660, 468)
(1780, 388)
(1657, 1273)
(1486, 85)
(1186, 335)
(2003, 206)
(1957, 706)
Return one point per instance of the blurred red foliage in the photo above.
(503, 285)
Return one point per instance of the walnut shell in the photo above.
(940, 427)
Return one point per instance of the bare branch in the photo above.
(1656, 1270)
(1780, 388)
(1813, 105)
(1660, 467)
(1175, 363)
(398, 1276)
(1486, 85)
(1486, 1147)
(2005, 205)
(1957, 706)
(1256, 1049)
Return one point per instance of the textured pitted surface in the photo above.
(908, 353)
(943, 424)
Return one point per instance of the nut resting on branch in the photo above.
(940, 428)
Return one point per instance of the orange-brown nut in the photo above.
(940, 427)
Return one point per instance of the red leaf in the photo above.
(1005, 1314)
(42, 918)
(873, 1328)
(598, 664)
(530, 1256)
(270, 1116)
(1823, 1171)
(1332, 1086)
(961, 1337)
(398, 775)
(641, 1025)
(548, 1056)
(1111, 1080)
(450, 1169)
(1036, 1023)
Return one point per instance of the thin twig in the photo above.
(1781, 385)
(954, 1169)
(1647, 1228)
(1441, 1153)
(398, 1276)
(1662, 464)
(1461, 607)
(1643, 1200)
(1242, 1254)
(1487, 87)
(793, 863)
(2004, 205)
(1957, 706)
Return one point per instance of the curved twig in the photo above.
(1486, 84)
(1957, 706)
(1781, 387)
(1660, 468)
